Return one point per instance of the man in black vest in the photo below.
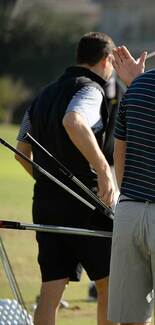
(68, 118)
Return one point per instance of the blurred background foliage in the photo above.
(36, 43)
(12, 94)
(38, 40)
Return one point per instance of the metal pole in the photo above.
(5, 224)
(10, 275)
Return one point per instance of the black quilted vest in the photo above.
(46, 114)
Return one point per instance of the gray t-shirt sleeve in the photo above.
(24, 128)
(87, 102)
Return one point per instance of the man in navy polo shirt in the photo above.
(132, 271)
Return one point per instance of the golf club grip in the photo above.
(11, 225)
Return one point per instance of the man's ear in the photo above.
(103, 62)
(106, 61)
(110, 57)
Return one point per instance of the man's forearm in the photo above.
(83, 138)
(26, 166)
(26, 149)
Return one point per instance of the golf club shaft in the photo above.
(64, 170)
(10, 275)
(5, 224)
(150, 55)
(51, 177)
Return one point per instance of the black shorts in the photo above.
(63, 256)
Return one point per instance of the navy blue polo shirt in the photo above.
(136, 125)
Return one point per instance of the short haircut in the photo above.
(93, 47)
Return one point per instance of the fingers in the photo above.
(115, 65)
(126, 66)
(107, 198)
(142, 59)
(116, 61)
(106, 187)
(117, 57)
(124, 53)
(121, 54)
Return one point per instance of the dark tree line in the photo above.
(36, 44)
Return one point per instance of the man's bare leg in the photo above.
(102, 301)
(50, 297)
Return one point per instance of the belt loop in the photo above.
(147, 203)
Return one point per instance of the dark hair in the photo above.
(93, 47)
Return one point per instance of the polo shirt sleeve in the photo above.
(87, 102)
(120, 126)
(24, 128)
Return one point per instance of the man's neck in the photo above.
(95, 69)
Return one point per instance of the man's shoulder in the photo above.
(145, 75)
(90, 91)
(90, 84)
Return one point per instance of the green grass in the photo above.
(16, 190)
(16, 185)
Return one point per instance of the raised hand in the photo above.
(126, 66)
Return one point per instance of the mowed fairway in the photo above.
(16, 190)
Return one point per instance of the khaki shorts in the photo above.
(132, 269)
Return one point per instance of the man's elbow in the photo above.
(25, 149)
(19, 159)
(69, 122)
